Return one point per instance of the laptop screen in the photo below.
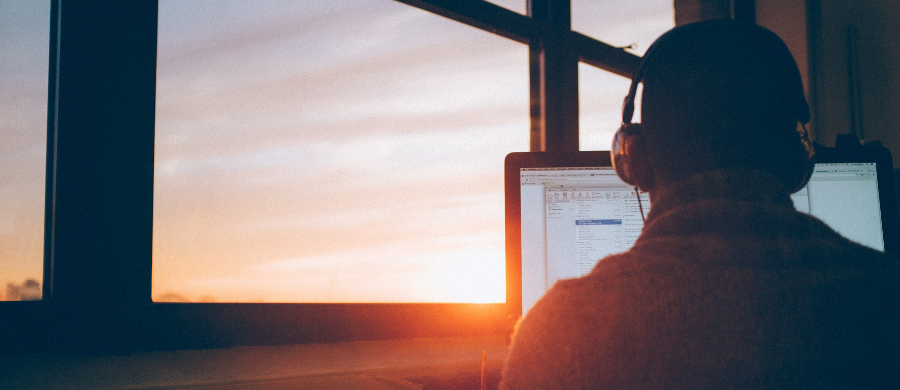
(570, 210)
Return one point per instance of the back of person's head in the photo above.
(720, 94)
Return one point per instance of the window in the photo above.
(24, 37)
(634, 24)
(331, 152)
(519, 6)
(600, 95)
(622, 24)
(100, 181)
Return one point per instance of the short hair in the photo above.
(722, 94)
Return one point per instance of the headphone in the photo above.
(629, 134)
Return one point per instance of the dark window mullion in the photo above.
(484, 15)
(554, 51)
(604, 56)
(554, 78)
(100, 168)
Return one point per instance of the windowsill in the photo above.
(392, 364)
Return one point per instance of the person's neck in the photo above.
(730, 183)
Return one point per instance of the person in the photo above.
(728, 286)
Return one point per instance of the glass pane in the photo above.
(24, 62)
(519, 6)
(600, 95)
(623, 23)
(331, 151)
(600, 92)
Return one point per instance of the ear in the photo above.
(640, 168)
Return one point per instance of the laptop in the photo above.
(567, 210)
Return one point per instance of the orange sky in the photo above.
(24, 57)
(338, 151)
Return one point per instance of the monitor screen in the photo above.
(845, 196)
(572, 217)
(574, 211)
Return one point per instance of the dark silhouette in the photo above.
(728, 285)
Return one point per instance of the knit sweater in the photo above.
(728, 286)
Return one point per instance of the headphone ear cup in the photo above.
(806, 153)
(619, 152)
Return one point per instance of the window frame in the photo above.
(99, 192)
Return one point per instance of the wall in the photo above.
(787, 18)
(857, 90)
(851, 62)
(847, 55)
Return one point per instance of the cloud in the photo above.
(414, 273)
(407, 91)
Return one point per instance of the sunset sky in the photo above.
(24, 57)
(328, 151)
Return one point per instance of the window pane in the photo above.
(24, 51)
(331, 151)
(623, 23)
(600, 93)
(519, 6)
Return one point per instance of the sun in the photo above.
(472, 276)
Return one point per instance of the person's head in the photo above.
(717, 94)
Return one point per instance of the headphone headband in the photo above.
(801, 110)
(629, 138)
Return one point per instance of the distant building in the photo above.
(12, 292)
(28, 291)
(171, 297)
(31, 291)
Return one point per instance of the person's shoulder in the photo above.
(573, 314)
(610, 276)
(870, 262)
(832, 246)
(569, 299)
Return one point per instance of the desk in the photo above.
(433, 363)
